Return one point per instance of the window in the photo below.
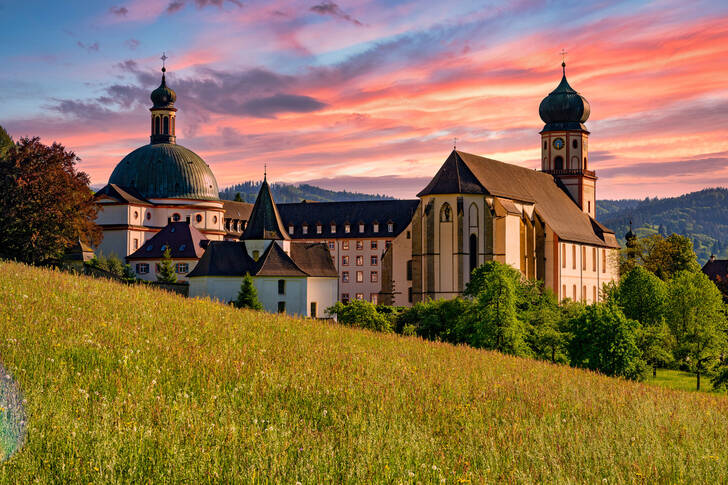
(304, 229)
(583, 293)
(135, 243)
(345, 260)
(604, 260)
(445, 213)
(563, 257)
(166, 125)
(136, 215)
(281, 287)
(290, 228)
(574, 293)
(198, 218)
(149, 215)
(214, 219)
(409, 270)
(347, 228)
(182, 268)
(345, 276)
(390, 227)
(332, 245)
(573, 262)
(563, 292)
(150, 247)
(142, 268)
(473, 252)
(375, 227)
(176, 217)
(387, 244)
(281, 307)
(182, 247)
(374, 245)
(333, 228)
(359, 296)
(583, 262)
(319, 228)
(374, 260)
(345, 245)
(374, 298)
(409, 235)
(588, 205)
(344, 298)
(164, 247)
(374, 277)
(360, 276)
(575, 143)
(157, 267)
(314, 310)
(157, 128)
(545, 145)
(559, 163)
(359, 244)
(361, 227)
(409, 294)
(360, 260)
(594, 259)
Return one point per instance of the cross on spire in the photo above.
(563, 56)
(164, 59)
(455, 143)
(265, 171)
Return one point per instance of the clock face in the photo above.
(559, 143)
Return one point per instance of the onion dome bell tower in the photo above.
(564, 143)
(163, 113)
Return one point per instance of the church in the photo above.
(475, 209)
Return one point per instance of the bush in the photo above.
(360, 313)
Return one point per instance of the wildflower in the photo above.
(411, 474)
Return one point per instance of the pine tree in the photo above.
(5, 141)
(248, 295)
(166, 272)
(128, 275)
(238, 197)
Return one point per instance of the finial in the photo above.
(455, 143)
(630, 224)
(164, 59)
(563, 61)
(265, 172)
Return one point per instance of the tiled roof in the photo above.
(237, 210)
(265, 221)
(122, 194)
(464, 173)
(368, 212)
(183, 240)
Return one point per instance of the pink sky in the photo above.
(368, 96)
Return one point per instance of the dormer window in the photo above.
(347, 228)
(375, 227)
(304, 229)
(390, 227)
(361, 227)
(319, 228)
(333, 228)
(290, 228)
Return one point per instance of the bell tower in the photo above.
(163, 111)
(565, 143)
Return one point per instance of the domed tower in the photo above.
(564, 143)
(163, 112)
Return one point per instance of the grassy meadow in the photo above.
(130, 384)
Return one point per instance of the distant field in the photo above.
(676, 379)
(128, 384)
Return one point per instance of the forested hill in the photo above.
(702, 216)
(283, 193)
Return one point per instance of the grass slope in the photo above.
(128, 384)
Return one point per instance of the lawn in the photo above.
(134, 385)
(677, 379)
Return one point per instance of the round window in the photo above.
(176, 217)
(136, 215)
(198, 218)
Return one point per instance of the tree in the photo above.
(248, 295)
(167, 273)
(603, 339)
(128, 274)
(667, 256)
(45, 204)
(238, 197)
(360, 313)
(494, 322)
(6, 143)
(696, 317)
(435, 320)
(546, 338)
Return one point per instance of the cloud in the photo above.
(89, 47)
(177, 5)
(333, 10)
(132, 44)
(281, 103)
(120, 11)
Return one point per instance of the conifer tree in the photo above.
(166, 272)
(238, 197)
(248, 295)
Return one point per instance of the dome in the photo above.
(163, 97)
(166, 171)
(564, 108)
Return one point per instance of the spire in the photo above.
(265, 221)
(163, 110)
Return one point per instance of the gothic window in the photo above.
(445, 213)
(473, 215)
(559, 163)
(473, 252)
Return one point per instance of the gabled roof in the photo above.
(465, 173)
(368, 212)
(237, 210)
(716, 269)
(183, 240)
(230, 258)
(265, 221)
(121, 194)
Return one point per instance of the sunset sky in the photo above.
(368, 95)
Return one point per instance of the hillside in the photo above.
(283, 193)
(128, 384)
(702, 216)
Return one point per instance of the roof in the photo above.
(237, 210)
(230, 258)
(183, 240)
(122, 194)
(471, 174)
(398, 212)
(564, 108)
(165, 171)
(716, 269)
(265, 221)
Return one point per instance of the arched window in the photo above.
(176, 217)
(575, 143)
(473, 215)
(445, 213)
(585, 163)
(473, 252)
(156, 125)
(559, 163)
(166, 125)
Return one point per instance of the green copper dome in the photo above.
(166, 171)
(163, 96)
